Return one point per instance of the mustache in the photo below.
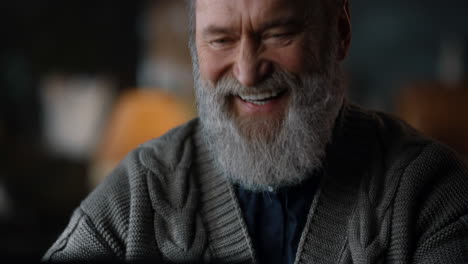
(279, 80)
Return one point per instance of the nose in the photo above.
(250, 68)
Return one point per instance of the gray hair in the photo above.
(190, 9)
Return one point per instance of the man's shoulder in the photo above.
(378, 137)
(396, 156)
(414, 187)
(170, 151)
(153, 162)
(399, 149)
(398, 138)
(385, 127)
(115, 215)
(396, 141)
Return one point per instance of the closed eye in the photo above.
(282, 37)
(222, 42)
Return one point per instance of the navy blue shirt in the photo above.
(275, 220)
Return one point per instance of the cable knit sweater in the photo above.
(387, 196)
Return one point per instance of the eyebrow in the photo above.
(216, 30)
(281, 22)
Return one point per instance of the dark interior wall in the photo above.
(399, 41)
(39, 37)
(74, 35)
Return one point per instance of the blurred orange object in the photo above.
(138, 116)
(438, 110)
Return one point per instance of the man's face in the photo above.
(268, 87)
(249, 39)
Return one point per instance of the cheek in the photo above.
(297, 59)
(212, 65)
(291, 61)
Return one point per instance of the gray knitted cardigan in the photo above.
(387, 196)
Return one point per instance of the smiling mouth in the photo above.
(261, 98)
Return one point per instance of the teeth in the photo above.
(258, 102)
(259, 97)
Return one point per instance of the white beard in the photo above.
(280, 151)
(275, 153)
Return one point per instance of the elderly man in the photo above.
(278, 168)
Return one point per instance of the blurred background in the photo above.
(83, 82)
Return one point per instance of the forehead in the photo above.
(248, 11)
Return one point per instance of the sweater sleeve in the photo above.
(448, 245)
(80, 242)
(442, 205)
(118, 221)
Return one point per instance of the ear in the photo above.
(344, 31)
